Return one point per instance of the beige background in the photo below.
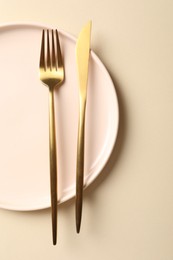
(128, 211)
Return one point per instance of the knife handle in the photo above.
(53, 164)
(80, 165)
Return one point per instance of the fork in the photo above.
(52, 75)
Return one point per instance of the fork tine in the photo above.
(42, 53)
(54, 64)
(48, 52)
(60, 63)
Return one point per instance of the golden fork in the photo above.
(52, 75)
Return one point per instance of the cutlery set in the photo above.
(52, 74)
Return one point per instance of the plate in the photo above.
(24, 135)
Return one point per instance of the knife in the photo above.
(82, 59)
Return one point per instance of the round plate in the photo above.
(24, 132)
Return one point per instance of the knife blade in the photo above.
(82, 59)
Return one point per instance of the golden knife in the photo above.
(82, 58)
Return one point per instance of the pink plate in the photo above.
(24, 147)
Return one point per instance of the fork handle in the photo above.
(80, 165)
(53, 164)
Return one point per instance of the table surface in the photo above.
(128, 210)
